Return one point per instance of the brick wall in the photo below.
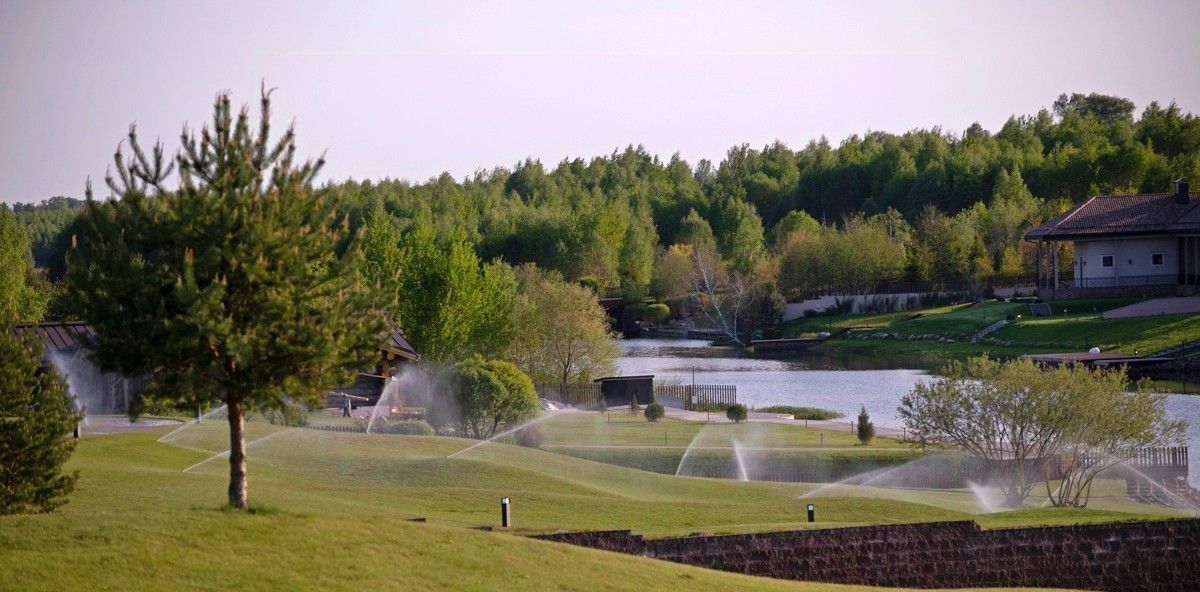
(1142, 556)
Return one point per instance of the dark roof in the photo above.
(612, 378)
(59, 337)
(396, 343)
(1108, 215)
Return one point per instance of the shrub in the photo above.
(491, 395)
(654, 412)
(865, 430)
(409, 427)
(289, 416)
(159, 407)
(810, 413)
(591, 283)
(736, 413)
(656, 312)
(529, 436)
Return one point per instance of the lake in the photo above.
(840, 384)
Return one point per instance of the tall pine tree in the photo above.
(36, 420)
(229, 286)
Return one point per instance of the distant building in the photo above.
(1144, 244)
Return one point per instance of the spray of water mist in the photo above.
(216, 412)
(412, 385)
(742, 474)
(1174, 499)
(225, 454)
(688, 452)
(544, 416)
(981, 494)
(86, 383)
(896, 476)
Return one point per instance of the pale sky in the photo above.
(411, 89)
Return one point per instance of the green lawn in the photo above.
(1076, 325)
(619, 427)
(333, 510)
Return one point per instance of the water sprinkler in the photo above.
(812, 512)
(505, 517)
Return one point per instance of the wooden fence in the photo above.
(1172, 456)
(699, 397)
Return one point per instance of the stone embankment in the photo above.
(1162, 556)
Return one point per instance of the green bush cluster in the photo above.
(736, 413)
(809, 413)
(654, 412)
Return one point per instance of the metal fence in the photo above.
(696, 397)
(583, 396)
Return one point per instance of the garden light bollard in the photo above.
(812, 513)
(505, 517)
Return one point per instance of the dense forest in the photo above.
(924, 205)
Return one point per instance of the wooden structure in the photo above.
(394, 352)
(621, 391)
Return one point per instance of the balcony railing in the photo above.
(1127, 281)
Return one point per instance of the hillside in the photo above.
(1075, 325)
(334, 510)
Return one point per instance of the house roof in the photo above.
(1109, 215)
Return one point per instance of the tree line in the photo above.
(932, 206)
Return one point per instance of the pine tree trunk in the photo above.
(237, 455)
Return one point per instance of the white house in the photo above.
(1143, 244)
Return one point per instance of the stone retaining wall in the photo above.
(1141, 556)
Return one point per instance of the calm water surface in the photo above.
(839, 384)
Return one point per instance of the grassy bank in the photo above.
(945, 332)
(334, 509)
(333, 513)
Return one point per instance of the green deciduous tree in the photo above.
(450, 305)
(229, 285)
(36, 420)
(490, 396)
(1023, 419)
(23, 295)
(565, 335)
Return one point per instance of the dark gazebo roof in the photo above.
(59, 336)
(1118, 215)
(397, 344)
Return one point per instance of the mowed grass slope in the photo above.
(1075, 325)
(333, 509)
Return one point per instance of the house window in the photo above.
(1156, 258)
(1106, 261)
